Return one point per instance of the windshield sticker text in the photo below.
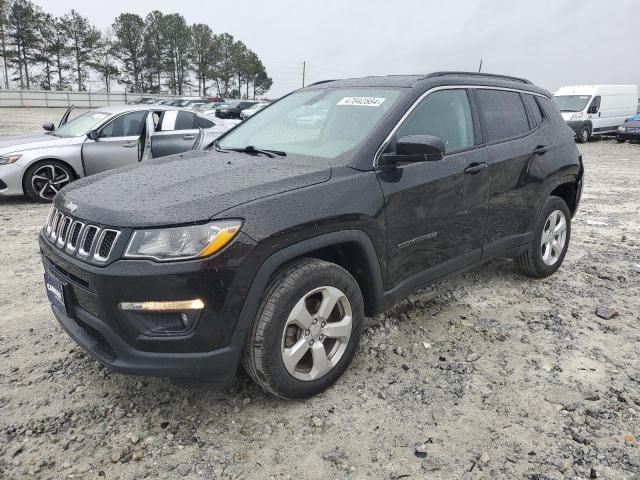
(362, 101)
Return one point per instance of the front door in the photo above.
(117, 144)
(436, 211)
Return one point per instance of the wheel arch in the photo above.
(568, 190)
(353, 250)
(76, 175)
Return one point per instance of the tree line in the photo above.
(158, 53)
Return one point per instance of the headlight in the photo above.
(182, 243)
(6, 159)
(621, 128)
(576, 116)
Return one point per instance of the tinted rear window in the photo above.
(534, 108)
(503, 114)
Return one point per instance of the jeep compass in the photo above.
(270, 247)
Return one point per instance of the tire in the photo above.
(43, 180)
(278, 332)
(542, 260)
(620, 140)
(584, 135)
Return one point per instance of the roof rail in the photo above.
(321, 81)
(478, 74)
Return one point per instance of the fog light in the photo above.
(172, 306)
(185, 320)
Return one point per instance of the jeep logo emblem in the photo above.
(72, 207)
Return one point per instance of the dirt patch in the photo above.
(489, 375)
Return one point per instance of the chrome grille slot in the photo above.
(105, 244)
(47, 223)
(90, 233)
(54, 225)
(74, 235)
(64, 231)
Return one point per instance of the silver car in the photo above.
(40, 164)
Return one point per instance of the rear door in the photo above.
(436, 211)
(176, 132)
(117, 144)
(521, 159)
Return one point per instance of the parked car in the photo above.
(233, 109)
(629, 130)
(184, 102)
(271, 247)
(209, 107)
(39, 165)
(143, 101)
(252, 110)
(596, 109)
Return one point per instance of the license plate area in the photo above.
(55, 291)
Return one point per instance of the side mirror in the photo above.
(415, 148)
(593, 109)
(93, 135)
(48, 127)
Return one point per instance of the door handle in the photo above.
(129, 145)
(474, 168)
(541, 149)
(188, 137)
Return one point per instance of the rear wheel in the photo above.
(584, 134)
(43, 180)
(550, 242)
(307, 331)
(620, 140)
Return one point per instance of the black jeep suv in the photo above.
(270, 247)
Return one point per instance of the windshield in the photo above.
(571, 103)
(323, 123)
(81, 125)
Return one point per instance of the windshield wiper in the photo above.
(265, 151)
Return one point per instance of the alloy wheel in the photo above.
(554, 237)
(316, 333)
(48, 179)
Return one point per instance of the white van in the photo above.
(596, 109)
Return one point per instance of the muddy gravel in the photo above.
(489, 375)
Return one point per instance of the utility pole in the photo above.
(304, 68)
(480, 67)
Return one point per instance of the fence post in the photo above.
(108, 99)
(90, 99)
(125, 96)
(21, 99)
(68, 101)
(46, 99)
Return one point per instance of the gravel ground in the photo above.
(15, 121)
(490, 375)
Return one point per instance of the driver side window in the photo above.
(445, 114)
(127, 125)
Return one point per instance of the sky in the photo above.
(551, 42)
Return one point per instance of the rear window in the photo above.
(503, 114)
(534, 108)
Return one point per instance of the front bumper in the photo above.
(11, 180)
(125, 341)
(628, 135)
(576, 125)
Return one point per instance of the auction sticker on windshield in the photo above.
(362, 101)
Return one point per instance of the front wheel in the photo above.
(584, 135)
(550, 242)
(620, 140)
(307, 330)
(43, 180)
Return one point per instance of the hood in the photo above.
(186, 188)
(18, 143)
(632, 124)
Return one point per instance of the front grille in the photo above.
(90, 242)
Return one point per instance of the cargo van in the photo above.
(596, 109)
